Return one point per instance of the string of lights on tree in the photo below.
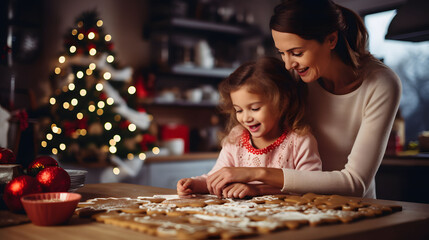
(93, 114)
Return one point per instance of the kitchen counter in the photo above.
(410, 223)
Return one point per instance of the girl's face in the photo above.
(257, 115)
(308, 58)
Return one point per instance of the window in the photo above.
(410, 60)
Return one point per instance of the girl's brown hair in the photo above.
(269, 78)
(316, 19)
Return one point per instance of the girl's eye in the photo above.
(255, 109)
(238, 111)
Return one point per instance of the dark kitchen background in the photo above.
(174, 52)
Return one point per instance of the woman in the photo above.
(353, 99)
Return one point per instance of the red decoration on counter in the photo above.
(7, 156)
(54, 179)
(18, 187)
(39, 163)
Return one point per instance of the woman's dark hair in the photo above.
(268, 77)
(316, 19)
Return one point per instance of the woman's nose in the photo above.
(290, 63)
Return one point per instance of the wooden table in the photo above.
(411, 223)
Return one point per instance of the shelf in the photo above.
(191, 24)
(201, 72)
(182, 103)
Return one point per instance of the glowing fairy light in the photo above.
(54, 129)
(88, 72)
(66, 105)
(61, 59)
(91, 108)
(116, 171)
(132, 90)
(82, 92)
(100, 112)
(110, 101)
(80, 24)
(74, 32)
(92, 51)
(44, 144)
(54, 151)
(74, 102)
(142, 156)
(80, 36)
(112, 149)
(99, 23)
(83, 132)
(107, 75)
(132, 127)
(107, 126)
(99, 86)
(57, 70)
(92, 66)
(108, 37)
(155, 150)
(112, 142)
(101, 104)
(49, 136)
(79, 74)
(72, 49)
(117, 138)
(130, 156)
(62, 146)
(79, 115)
(72, 87)
(91, 35)
(110, 58)
(52, 101)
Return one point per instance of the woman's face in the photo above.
(308, 58)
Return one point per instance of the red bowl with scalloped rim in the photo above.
(52, 208)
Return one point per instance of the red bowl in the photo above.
(53, 208)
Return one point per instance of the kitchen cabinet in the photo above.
(190, 55)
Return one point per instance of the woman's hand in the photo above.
(240, 190)
(217, 181)
(227, 175)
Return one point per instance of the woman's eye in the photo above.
(298, 54)
(281, 53)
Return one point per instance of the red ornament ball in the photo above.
(54, 179)
(18, 187)
(7, 156)
(39, 163)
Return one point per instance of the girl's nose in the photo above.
(247, 116)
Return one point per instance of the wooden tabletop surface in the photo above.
(411, 223)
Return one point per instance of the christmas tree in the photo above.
(92, 116)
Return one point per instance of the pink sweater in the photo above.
(290, 151)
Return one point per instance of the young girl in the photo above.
(266, 128)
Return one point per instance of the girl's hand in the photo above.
(185, 186)
(227, 175)
(240, 190)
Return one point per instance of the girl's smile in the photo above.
(257, 115)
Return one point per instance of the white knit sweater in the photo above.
(352, 132)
